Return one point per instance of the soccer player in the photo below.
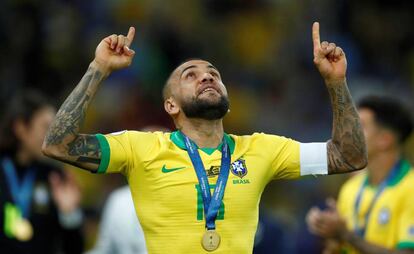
(170, 174)
(39, 204)
(375, 211)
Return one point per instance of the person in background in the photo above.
(120, 231)
(39, 202)
(375, 211)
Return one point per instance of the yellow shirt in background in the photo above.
(166, 192)
(391, 222)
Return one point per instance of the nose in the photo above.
(207, 78)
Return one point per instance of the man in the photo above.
(170, 174)
(375, 208)
(39, 203)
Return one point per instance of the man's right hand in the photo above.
(113, 52)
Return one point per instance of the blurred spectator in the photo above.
(39, 203)
(120, 231)
(375, 212)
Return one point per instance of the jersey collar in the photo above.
(403, 169)
(179, 141)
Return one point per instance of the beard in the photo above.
(204, 109)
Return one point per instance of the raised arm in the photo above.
(346, 149)
(63, 140)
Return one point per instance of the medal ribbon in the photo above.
(360, 230)
(21, 193)
(211, 203)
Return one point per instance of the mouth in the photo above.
(208, 89)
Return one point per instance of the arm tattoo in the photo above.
(78, 149)
(86, 148)
(346, 149)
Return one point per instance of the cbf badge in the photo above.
(384, 216)
(238, 168)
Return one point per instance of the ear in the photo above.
(171, 106)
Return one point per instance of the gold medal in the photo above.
(210, 240)
(23, 230)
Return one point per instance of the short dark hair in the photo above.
(22, 106)
(389, 113)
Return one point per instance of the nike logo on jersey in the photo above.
(168, 170)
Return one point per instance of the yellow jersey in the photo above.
(391, 221)
(166, 192)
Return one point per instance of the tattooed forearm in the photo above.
(346, 149)
(72, 111)
(63, 140)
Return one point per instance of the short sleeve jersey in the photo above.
(166, 192)
(391, 221)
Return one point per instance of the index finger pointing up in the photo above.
(315, 35)
(130, 36)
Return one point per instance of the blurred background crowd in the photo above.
(263, 49)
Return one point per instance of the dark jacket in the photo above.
(48, 234)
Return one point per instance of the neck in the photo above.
(380, 165)
(205, 133)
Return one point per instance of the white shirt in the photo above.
(120, 231)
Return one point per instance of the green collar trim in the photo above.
(402, 171)
(177, 139)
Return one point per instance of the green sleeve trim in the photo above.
(106, 151)
(405, 245)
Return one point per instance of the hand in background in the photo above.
(65, 192)
(326, 223)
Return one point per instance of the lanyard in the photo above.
(21, 193)
(360, 230)
(211, 203)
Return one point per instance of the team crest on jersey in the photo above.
(384, 216)
(239, 168)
